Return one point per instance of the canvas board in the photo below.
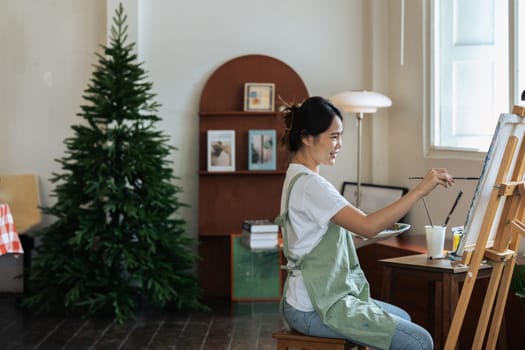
(508, 125)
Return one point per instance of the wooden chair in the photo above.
(22, 194)
(293, 340)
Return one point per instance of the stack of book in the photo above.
(260, 234)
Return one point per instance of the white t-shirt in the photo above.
(313, 203)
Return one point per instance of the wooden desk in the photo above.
(443, 277)
(394, 247)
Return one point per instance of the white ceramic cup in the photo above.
(435, 241)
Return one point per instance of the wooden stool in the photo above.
(293, 340)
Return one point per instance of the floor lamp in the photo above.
(360, 102)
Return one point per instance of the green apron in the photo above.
(337, 286)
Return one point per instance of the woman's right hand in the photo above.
(433, 178)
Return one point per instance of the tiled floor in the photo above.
(238, 326)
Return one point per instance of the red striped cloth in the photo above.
(9, 241)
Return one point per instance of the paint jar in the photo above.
(457, 234)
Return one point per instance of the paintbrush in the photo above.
(428, 213)
(453, 207)
(454, 177)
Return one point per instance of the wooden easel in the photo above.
(502, 254)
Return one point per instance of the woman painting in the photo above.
(327, 294)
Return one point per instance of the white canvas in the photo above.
(508, 125)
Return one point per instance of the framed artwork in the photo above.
(262, 149)
(259, 97)
(373, 197)
(221, 150)
(509, 125)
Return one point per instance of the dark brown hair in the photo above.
(312, 117)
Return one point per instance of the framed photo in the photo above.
(221, 150)
(262, 149)
(259, 97)
(373, 197)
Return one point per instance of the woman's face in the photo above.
(327, 144)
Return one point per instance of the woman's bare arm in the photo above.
(356, 221)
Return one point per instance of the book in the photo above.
(263, 225)
(259, 243)
(260, 235)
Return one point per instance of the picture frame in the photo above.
(373, 197)
(259, 97)
(221, 150)
(262, 150)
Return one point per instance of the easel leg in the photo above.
(499, 309)
(488, 303)
(495, 326)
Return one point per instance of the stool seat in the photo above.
(292, 340)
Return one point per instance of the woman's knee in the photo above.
(395, 310)
(410, 336)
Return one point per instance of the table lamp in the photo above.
(360, 102)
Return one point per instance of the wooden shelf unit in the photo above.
(227, 198)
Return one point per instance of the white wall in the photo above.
(407, 90)
(48, 48)
(45, 63)
(183, 42)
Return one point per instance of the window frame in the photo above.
(431, 150)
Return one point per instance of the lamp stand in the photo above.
(359, 136)
(360, 102)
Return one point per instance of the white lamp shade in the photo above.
(360, 101)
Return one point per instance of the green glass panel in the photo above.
(255, 273)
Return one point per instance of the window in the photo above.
(474, 61)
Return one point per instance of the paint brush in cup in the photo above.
(453, 207)
(428, 213)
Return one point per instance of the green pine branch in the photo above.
(117, 236)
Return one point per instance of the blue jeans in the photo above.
(407, 336)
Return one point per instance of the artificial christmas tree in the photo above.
(117, 237)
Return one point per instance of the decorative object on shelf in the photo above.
(373, 197)
(360, 102)
(262, 150)
(221, 150)
(260, 240)
(259, 97)
(259, 225)
(260, 234)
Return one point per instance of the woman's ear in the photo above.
(307, 139)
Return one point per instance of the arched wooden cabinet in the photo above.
(227, 198)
